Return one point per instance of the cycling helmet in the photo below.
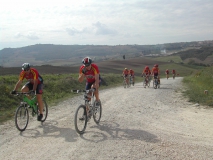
(125, 68)
(25, 66)
(156, 65)
(130, 69)
(146, 67)
(87, 61)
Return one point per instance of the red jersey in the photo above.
(90, 74)
(125, 71)
(167, 71)
(31, 76)
(147, 71)
(131, 72)
(155, 70)
(173, 71)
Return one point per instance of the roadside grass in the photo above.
(57, 87)
(171, 58)
(197, 83)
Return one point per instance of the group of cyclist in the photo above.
(173, 73)
(88, 71)
(147, 73)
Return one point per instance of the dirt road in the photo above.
(137, 123)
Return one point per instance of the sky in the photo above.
(104, 22)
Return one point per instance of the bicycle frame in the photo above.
(31, 102)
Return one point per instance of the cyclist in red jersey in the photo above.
(125, 74)
(34, 85)
(173, 73)
(90, 71)
(167, 73)
(156, 72)
(132, 74)
(146, 72)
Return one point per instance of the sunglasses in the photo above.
(26, 70)
(87, 65)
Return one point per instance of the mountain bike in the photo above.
(22, 112)
(146, 81)
(156, 83)
(86, 111)
(125, 84)
(131, 81)
(173, 75)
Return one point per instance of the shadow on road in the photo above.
(116, 133)
(50, 129)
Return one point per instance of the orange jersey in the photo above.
(155, 70)
(146, 71)
(125, 72)
(90, 74)
(33, 75)
(131, 72)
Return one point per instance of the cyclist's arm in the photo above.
(81, 77)
(17, 85)
(97, 80)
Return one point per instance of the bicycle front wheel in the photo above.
(45, 111)
(97, 113)
(21, 118)
(80, 119)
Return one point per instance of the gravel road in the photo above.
(137, 123)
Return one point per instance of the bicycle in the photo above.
(173, 75)
(146, 81)
(131, 81)
(22, 113)
(156, 83)
(87, 110)
(125, 84)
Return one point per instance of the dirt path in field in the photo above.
(137, 123)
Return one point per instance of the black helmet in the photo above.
(25, 66)
(87, 61)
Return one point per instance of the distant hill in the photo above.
(63, 55)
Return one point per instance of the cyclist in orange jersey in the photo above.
(132, 74)
(156, 72)
(125, 74)
(146, 72)
(34, 85)
(167, 73)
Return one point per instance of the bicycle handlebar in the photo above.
(83, 90)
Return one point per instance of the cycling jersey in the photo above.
(131, 73)
(146, 71)
(125, 72)
(167, 71)
(90, 74)
(155, 70)
(31, 76)
(173, 71)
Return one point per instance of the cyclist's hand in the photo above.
(84, 70)
(13, 92)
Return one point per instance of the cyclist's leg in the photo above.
(96, 93)
(28, 86)
(39, 91)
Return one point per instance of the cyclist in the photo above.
(34, 85)
(125, 74)
(156, 72)
(174, 73)
(167, 73)
(132, 74)
(90, 71)
(146, 73)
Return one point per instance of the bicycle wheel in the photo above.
(21, 118)
(45, 111)
(124, 84)
(97, 113)
(80, 119)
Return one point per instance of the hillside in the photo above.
(70, 55)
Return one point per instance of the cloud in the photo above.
(29, 35)
(102, 29)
